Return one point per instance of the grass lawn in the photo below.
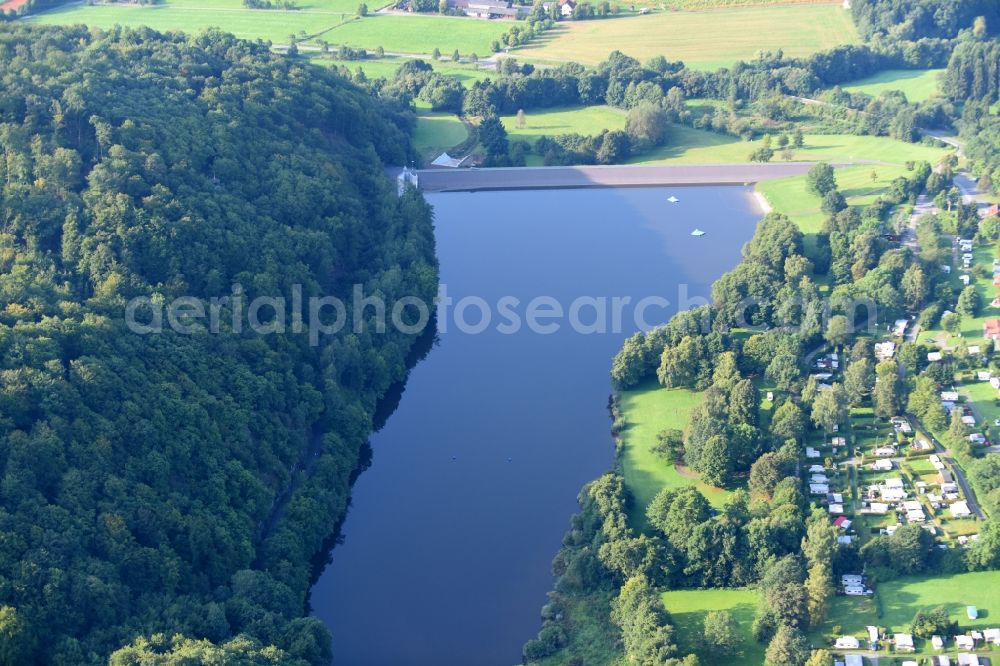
(691, 146)
(901, 599)
(916, 84)
(549, 122)
(407, 34)
(688, 609)
(420, 34)
(852, 614)
(437, 132)
(273, 25)
(985, 397)
(791, 197)
(648, 410)
(703, 40)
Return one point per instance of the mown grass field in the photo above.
(272, 25)
(648, 410)
(900, 600)
(691, 146)
(420, 34)
(916, 84)
(688, 609)
(330, 20)
(437, 132)
(550, 122)
(704, 40)
(791, 197)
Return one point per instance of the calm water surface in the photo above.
(448, 543)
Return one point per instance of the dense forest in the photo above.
(162, 494)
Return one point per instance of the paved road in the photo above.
(955, 467)
(450, 180)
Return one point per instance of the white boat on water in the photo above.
(697, 232)
(673, 199)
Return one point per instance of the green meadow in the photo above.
(648, 410)
(917, 84)
(586, 120)
(688, 609)
(333, 21)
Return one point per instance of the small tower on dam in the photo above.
(406, 177)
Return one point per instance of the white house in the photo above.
(949, 396)
(847, 643)
(965, 659)
(904, 642)
(992, 636)
(836, 509)
(818, 489)
(885, 350)
(816, 469)
(969, 420)
(934, 356)
(854, 660)
(984, 375)
(852, 579)
(885, 451)
(893, 494)
(879, 508)
(884, 465)
(812, 453)
(937, 642)
(960, 510)
(965, 643)
(819, 478)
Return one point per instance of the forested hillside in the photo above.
(141, 475)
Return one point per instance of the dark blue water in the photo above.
(448, 543)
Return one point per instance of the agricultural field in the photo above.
(386, 68)
(703, 40)
(420, 34)
(437, 132)
(648, 410)
(333, 21)
(696, 5)
(917, 84)
(688, 609)
(550, 122)
(272, 25)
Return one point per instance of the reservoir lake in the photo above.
(446, 548)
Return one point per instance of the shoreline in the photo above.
(763, 205)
